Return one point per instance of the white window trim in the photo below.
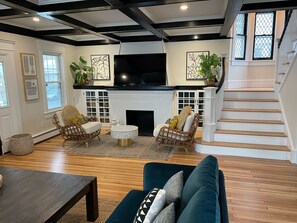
(54, 49)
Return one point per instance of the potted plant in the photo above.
(209, 67)
(81, 72)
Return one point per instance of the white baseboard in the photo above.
(254, 83)
(45, 135)
(293, 156)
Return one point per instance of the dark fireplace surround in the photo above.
(143, 119)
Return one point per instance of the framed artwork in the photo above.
(31, 89)
(100, 63)
(28, 64)
(192, 63)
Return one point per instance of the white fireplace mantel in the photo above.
(160, 102)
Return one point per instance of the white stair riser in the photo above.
(244, 152)
(282, 141)
(250, 95)
(255, 105)
(250, 126)
(251, 115)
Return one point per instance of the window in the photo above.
(3, 92)
(264, 36)
(53, 83)
(240, 38)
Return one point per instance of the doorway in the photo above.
(10, 116)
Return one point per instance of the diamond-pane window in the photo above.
(240, 38)
(264, 35)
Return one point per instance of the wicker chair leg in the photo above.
(87, 143)
(99, 138)
(63, 143)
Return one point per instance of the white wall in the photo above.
(176, 57)
(33, 118)
(255, 73)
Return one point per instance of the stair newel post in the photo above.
(209, 123)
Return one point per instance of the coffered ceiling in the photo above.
(95, 22)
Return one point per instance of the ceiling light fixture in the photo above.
(36, 19)
(183, 7)
(195, 37)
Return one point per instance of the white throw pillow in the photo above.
(151, 206)
(60, 118)
(189, 122)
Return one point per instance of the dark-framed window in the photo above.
(264, 36)
(240, 36)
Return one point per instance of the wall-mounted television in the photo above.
(140, 69)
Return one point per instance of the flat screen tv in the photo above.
(140, 69)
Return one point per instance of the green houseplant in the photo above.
(209, 67)
(81, 72)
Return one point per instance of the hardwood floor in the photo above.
(258, 190)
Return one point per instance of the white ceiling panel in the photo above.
(196, 10)
(86, 37)
(28, 23)
(123, 34)
(3, 7)
(193, 31)
(103, 18)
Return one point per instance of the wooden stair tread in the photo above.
(251, 121)
(251, 110)
(256, 133)
(250, 100)
(247, 145)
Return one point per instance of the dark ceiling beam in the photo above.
(138, 16)
(66, 20)
(61, 32)
(32, 33)
(99, 5)
(231, 12)
(23, 6)
(74, 7)
(190, 24)
(119, 29)
(12, 14)
(31, 8)
(269, 6)
(206, 36)
(146, 3)
(140, 38)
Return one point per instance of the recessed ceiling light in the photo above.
(195, 37)
(183, 7)
(36, 19)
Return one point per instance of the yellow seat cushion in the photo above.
(79, 119)
(173, 122)
(182, 117)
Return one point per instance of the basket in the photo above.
(21, 144)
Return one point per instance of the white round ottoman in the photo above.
(124, 134)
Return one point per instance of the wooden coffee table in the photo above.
(35, 196)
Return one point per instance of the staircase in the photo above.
(250, 125)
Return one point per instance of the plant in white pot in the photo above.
(209, 68)
(81, 72)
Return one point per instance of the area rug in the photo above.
(142, 147)
(78, 214)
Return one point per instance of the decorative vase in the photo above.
(210, 81)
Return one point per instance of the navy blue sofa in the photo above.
(203, 197)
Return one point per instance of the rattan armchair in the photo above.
(173, 137)
(76, 132)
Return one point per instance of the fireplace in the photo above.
(143, 119)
